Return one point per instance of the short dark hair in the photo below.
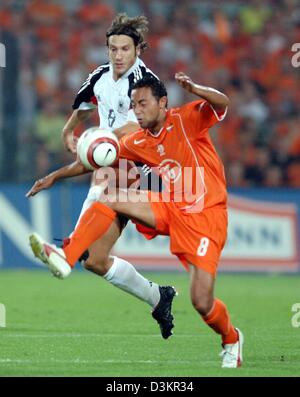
(157, 87)
(133, 27)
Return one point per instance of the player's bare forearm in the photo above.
(213, 96)
(125, 129)
(74, 169)
(216, 98)
(77, 117)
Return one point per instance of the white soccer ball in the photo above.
(97, 148)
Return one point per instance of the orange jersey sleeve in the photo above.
(200, 116)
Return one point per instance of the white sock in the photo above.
(93, 195)
(124, 276)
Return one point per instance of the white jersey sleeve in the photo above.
(85, 98)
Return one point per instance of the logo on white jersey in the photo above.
(170, 170)
(123, 105)
(161, 150)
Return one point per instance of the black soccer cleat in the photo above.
(162, 312)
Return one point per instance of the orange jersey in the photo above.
(184, 156)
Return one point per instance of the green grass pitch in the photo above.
(83, 326)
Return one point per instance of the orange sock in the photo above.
(93, 224)
(218, 319)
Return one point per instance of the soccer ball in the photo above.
(97, 148)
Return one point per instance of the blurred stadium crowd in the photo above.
(241, 48)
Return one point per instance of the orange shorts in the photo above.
(196, 238)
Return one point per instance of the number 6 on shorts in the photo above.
(203, 246)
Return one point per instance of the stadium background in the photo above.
(240, 47)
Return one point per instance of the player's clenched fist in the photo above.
(185, 81)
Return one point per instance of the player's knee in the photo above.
(88, 265)
(109, 199)
(202, 304)
(98, 266)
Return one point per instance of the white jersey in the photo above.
(112, 97)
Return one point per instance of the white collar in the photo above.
(158, 134)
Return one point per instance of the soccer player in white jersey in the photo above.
(109, 89)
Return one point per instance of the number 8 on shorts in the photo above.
(203, 246)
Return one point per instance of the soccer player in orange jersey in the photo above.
(192, 209)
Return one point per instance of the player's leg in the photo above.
(123, 275)
(215, 314)
(98, 185)
(107, 176)
(115, 270)
(118, 271)
(99, 222)
(96, 221)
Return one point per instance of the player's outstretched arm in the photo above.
(69, 171)
(216, 98)
(77, 117)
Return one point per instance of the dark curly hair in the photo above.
(157, 87)
(134, 27)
